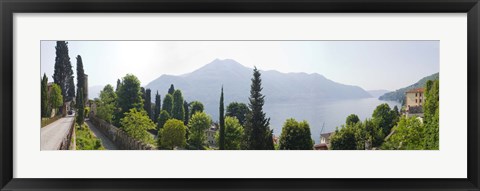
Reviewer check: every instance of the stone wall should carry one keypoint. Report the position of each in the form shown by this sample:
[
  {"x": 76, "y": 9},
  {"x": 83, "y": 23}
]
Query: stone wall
[
  {"x": 65, "y": 145},
  {"x": 118, "y": 136}
]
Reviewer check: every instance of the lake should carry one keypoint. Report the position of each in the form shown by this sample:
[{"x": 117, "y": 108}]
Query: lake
[{"x": 332, "y": 113}]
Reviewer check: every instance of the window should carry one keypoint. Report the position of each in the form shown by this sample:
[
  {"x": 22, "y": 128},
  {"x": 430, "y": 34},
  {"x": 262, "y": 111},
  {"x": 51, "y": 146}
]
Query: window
[
  {"x": 420, "y": 100},
  {"x": 415, "y": 100},
  {"x": 416, "y": 94}
]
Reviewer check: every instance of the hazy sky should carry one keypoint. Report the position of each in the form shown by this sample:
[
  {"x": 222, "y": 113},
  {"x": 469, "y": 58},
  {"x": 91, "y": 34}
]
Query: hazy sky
[{"x": 369, "y": 64}]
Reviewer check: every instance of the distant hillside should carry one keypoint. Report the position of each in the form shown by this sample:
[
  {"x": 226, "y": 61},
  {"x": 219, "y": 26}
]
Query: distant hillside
[
  {"x": 399, "y": 95},
  {"x": 377, "y": 93},
  {"x": 204, "y": 85}
]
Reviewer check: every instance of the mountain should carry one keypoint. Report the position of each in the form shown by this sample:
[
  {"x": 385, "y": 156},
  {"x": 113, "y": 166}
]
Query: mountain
[
  {"x": 377, "y": 93},
  {"x": 94, "y": 91},
  {"x": 399, "y": 95},
  {"x": 204, "y": 85}
]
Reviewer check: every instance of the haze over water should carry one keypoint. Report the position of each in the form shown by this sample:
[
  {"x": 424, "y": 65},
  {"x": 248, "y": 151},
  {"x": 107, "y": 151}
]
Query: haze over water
[{"x": 332, "y": 113}]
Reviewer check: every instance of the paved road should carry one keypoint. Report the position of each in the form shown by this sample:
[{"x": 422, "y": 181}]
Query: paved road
[
  {"x": 51, "y": 136},
  {"x": 105, "y": 141}
]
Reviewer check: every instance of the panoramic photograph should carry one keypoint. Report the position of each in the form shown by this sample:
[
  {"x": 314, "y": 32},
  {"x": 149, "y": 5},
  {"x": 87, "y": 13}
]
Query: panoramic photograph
[{"x": 239, "y": 95}]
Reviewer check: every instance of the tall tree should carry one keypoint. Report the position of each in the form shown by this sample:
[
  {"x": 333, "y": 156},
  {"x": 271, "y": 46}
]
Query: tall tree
[
  {"x": 136, "y": 124},
  {"x": 173, "y": 134},
  {"x": 119, "y": 82},
  {"x": 168, "y": 104},
  {"x": 352, "y": 119},
  {"x": 178, "y": 111},
  {"x": 257, "y": 130},
  {"x": 221, "y": 139},
  {"x": 238, "y": 110},
  {"x": 171, "y": 90},
  {"x": 197, "y": 126},
  {"x": 71, "y": 91},
  {"x": 129, "y": 96},
  {"x": 187, "y": 114},
  {"x": 80, "y": 80},
  {"x": 80, "y": 107},
  {"x": 162, "y": 119},
  {"x": 148, "y": 103},
  {"x": 195, "y": 106},
  {"x": 233, "y": 134},
  {"x": 44, "y": 96},
  {"x": 63, "y": 69},
  {"x": 158, "y": 106},
  {"x": 384, "y": 117},
  {"x": 106, "y": 103},
  {"x": 296, "y": 136},
  {"x": 55, "y": 98},
  {"x": 431, "y": 113}
]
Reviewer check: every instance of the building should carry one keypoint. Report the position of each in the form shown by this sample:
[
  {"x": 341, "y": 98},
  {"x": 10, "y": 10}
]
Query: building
[
  {"x": 211, "y": 135},
  {"x": 324, "y": 141},
  {"x": 414, "y": 100}
]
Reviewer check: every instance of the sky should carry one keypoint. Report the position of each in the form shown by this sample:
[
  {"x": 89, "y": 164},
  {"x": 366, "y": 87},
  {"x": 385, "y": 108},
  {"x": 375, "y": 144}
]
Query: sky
[{"x": 372, "y": 65}]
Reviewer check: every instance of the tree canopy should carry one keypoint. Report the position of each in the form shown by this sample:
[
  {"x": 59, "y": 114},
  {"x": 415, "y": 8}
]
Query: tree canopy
[
  {"x": 178, "y": 112},
  {"x": 296, "y": 136},
  {"x": 238, "y": 110},
  {"x": 168, "y": 104},
  {"x": 197, "y": 126},
  {"x": 136, "y": 124},
  {"x": 63, "y": 70},
  {"x": 173, "y": 134},
  {"x": 233, "y": 134},
  {"x": 195, "y": 106},
  {"x": 221, "y": 131},
  {"x": 352, "y": 119},
  {"x": 129, "y": 95},
  {"x": 44, "y": 96},
  {"x": 106, "y": 103},
  {"x": 257, "y": 127}
]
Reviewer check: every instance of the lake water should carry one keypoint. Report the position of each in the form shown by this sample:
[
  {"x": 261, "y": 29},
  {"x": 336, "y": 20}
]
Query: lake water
[{"x": 332, "y": 113}]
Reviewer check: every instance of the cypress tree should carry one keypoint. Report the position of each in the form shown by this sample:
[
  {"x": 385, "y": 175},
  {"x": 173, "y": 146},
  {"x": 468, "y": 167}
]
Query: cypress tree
[
  {"x": 171, "y": 90},
  {"x": 185, "y": 108},
  {"x": 80, "y": 78},
  {"x": 178, "y": 111},
  {"x": 118, "y": 85},
  {"x": 148, "y": 103},
  {"x": 158, "y": 106},
  {"x": 44, "y": 96},
  {"x": 222, "y": 124},
  {"x": 168, "y": 104},
  {"x": 80, "y": 107},
  {"x": 63, "y": 69},
  {"x": 258, "y": 134}
]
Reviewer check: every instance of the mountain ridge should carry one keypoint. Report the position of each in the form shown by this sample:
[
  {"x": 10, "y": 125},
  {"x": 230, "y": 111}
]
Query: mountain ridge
[{"x": 204, "y": 85}]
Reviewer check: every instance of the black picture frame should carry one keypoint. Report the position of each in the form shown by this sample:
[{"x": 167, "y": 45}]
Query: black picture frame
[{"x": 9, "y": 7}]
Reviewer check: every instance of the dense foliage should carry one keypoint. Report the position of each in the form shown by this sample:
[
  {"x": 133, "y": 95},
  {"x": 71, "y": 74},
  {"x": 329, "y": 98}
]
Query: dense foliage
[
  {"x": 257, "y": 127},
  {"x": 432, "y": 112},
  {"x": 55, "y": 98},
  {"x": 44, "y": 97},
  {"x": 162, "y": 119},
  {"x": 178, "y": 111},
  {"x": 197, "y": 126},
  {"x": 85, "y": 139},
  {"x": 158, "y": 106},
  {"x": 221, "y": 121},
  {"x": 172, "y": 135},
  {"x": 238, "y": 110},
  {"x": 106, "y": 104},
  {"x": 129, "y": 96},
  {"x": 63, "y": 70},
  {"x": 408, "y": 135},
  {"x": 233, "y": 134},
  {"x": 195, "y": 106},
  {"x": 136, "y": 124},
  {"x": 168, "y": 104},
  {"x": 296, "y": 136}
]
